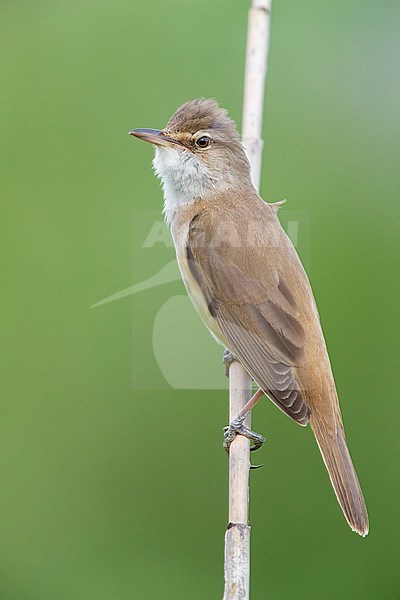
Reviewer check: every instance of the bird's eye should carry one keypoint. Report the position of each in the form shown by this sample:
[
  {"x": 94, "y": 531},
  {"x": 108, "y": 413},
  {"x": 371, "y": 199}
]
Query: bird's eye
[{"x": 203, "y": 141}]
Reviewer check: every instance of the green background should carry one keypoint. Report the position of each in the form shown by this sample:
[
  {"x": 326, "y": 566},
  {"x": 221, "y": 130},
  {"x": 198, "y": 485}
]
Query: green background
[{"x": 111, "y": 492}]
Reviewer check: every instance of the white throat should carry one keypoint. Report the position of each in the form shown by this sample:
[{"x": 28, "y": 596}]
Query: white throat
[{"x": 185, "y": 178}]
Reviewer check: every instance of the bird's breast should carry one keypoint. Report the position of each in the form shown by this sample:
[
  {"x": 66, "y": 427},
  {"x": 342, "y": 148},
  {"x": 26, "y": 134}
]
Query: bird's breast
[{"x": 180, "y": 238}]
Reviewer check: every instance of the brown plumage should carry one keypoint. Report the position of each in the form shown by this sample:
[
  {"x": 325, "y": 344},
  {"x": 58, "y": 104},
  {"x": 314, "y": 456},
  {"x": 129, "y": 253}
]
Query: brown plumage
[{"x": 247, "y": 282}]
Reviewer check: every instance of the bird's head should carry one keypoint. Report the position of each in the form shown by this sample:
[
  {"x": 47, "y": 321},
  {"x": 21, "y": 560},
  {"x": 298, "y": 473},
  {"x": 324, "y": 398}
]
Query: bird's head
[{"x": 198, "y": 152}]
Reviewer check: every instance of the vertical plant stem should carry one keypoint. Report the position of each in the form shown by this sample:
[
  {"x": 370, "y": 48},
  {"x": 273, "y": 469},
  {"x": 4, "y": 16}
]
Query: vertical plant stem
[
  {"x": 237, "y": 537},
  {"x": 254, "y": 84}
]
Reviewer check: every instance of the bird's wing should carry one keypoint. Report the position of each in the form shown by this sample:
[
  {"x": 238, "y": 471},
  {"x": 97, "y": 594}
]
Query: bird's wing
[{"x": 257, "y": 315}]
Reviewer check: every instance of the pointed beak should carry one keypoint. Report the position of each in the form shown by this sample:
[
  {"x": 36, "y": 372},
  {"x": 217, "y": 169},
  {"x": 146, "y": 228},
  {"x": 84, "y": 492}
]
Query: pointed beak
[{"x": 154, "y": 136}]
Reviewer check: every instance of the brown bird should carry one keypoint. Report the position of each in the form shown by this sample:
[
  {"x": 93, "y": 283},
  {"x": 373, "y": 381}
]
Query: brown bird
[{"x": 246, "y": 280}]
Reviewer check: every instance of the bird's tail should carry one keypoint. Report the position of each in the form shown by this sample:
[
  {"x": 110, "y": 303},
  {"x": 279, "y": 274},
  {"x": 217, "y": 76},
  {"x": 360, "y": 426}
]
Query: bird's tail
[{"x": 342, "y": 475}]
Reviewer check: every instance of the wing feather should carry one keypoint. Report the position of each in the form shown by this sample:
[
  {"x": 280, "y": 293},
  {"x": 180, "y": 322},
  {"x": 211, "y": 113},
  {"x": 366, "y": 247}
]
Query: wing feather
[{"x": 258, "y": 317}]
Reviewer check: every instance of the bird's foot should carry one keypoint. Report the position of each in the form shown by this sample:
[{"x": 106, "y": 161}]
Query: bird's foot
[
  {"x": 237, "y": 428},
  {"x": 227, "y": 359}
]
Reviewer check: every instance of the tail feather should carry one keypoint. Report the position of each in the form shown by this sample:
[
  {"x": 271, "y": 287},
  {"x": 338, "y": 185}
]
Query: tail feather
[{"x": 342, "y": 475}]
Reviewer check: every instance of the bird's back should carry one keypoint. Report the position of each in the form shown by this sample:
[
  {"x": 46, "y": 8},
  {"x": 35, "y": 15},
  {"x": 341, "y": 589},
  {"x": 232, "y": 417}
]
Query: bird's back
[{"x": 248, "y": 267}]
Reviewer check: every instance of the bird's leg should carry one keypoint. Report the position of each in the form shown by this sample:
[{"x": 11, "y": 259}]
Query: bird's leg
[
  {"x": 227, "y": 359},
  {"x": 236, "y": 427}
]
